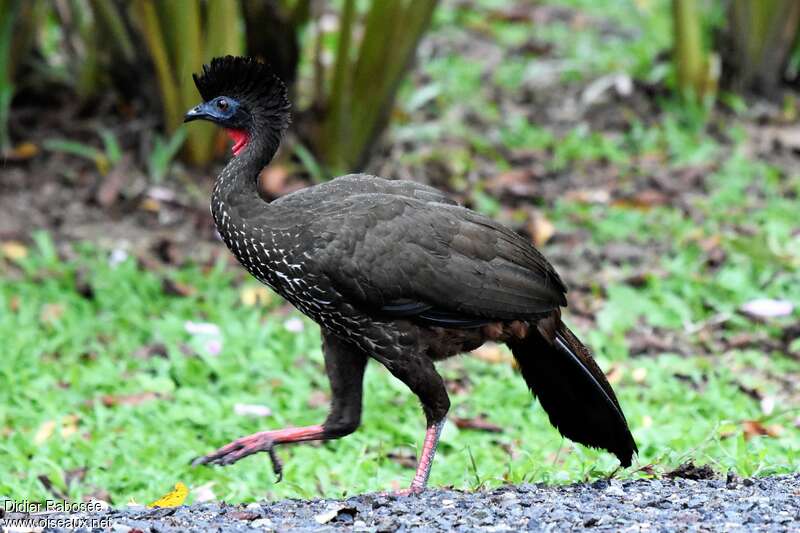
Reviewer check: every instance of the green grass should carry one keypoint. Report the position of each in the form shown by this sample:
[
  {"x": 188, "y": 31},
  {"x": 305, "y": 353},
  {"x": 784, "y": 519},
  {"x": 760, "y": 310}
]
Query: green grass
[{"x": 64, "y": 348}]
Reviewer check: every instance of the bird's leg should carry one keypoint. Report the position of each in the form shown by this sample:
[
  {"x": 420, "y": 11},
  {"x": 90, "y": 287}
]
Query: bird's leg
[
  {"x": 425, "y": 461},
  {"x": 423, "y": 380},
  {"x": 345, "y": 368},
  {"x": 263, "y": 441}
]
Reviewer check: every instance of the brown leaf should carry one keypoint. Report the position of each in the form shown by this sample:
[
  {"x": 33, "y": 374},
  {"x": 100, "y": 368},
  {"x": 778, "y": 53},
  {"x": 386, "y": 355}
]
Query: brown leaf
[
  {"x": 110, "y": 400},
  {"x": 754, "y": 428},
  {"x": 615, "y": 373},
  {"x": 22, "y": 152},
  {"x": 173, "y": 287},
  {"x": 643, "y": 200},
  {"x": 478, "y": 423},
  {"x": 541, "y": 229}
]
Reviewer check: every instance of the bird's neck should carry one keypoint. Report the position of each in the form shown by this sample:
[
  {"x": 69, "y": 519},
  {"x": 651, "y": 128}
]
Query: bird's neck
[{"x": 236, "y": 198}]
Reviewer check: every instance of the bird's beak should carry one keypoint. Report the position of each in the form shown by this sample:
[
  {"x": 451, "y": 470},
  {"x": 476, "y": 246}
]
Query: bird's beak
[{"x": 202, "y": 111}]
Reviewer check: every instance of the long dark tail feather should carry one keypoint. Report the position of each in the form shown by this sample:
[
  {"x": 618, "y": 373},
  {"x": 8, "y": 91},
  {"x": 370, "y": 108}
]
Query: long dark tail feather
[{"x": 573, "y": 390}]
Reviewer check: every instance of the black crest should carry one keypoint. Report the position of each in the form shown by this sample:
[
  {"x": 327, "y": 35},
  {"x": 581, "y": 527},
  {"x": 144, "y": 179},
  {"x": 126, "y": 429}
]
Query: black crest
[{"x": 246, "y": 79}]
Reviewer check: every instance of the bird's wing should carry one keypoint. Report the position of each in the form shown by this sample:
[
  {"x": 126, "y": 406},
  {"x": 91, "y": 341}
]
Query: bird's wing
[
  {"x": 353, "y": 184},
  {"x": 408, "y": 257}
]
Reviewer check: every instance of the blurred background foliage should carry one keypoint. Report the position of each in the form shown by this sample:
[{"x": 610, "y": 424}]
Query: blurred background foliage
[{"x": 353, "y": 56}]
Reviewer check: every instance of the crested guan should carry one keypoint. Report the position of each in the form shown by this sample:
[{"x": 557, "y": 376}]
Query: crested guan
[{"x": 397, "y": 272}]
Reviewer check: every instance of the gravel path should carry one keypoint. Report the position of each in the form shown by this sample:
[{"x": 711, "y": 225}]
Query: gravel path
[{"x": 764, "y": 504}]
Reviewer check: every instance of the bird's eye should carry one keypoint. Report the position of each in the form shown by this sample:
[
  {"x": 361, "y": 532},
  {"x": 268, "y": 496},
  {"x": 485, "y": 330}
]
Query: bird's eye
[{"x": 222, "y": 104}]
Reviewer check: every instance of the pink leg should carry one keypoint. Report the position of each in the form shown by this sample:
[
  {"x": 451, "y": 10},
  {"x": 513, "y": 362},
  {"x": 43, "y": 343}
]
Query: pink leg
[
  {"x": 425, "y": 459},
  {"x": 263, "y": 441}
]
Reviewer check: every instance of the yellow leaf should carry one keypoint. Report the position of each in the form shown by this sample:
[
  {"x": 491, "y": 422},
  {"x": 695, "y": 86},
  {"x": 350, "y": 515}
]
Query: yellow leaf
[
  {"x": 14, "y": 250},
  {"x": 173, "y": 498},
  {"x": 252, "y": 296},
  {"x": 150, "y": 204},
  {"x": 69, "y": 426},
  {"x": 44, "y": 432},
  {"x": 23, "y": 151}
]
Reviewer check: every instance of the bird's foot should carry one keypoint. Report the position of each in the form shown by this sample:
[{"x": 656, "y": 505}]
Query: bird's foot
[
  {"x": 241, "y": 448},
  {"x": 410, "y": 491}
]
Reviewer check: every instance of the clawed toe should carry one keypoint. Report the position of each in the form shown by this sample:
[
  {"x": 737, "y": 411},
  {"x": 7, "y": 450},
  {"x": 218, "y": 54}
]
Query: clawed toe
[{"x": 241, "y": 448}]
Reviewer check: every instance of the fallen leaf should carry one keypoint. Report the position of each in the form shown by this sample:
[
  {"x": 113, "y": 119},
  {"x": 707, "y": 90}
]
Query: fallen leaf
[
  {"x": 754, "y": 428},
  {"x": 492, "y": 352},
  {"x": 173, "y": 498},
  {"x": 767, "y": 308},
  {"x": 249, "y": 409},
  {"x": 540, "y": 229},
  {"x": 111, "y": 400},
  {"x": 44, "y": 432},
  {"x": 14, "y": 250},
  {"x": 22, "y": 152},
  {"x": 258, "y": 295},
  {"x": 150, "y": 204},
  {"x": 173, "y": 287},
  {"x": 479, "y": 423},
  {"x": 642, "y": 200},
  {"x": 69, "y": 425},
  {"x": 588, "y": 196},
  {"x": 615, "y": 374}
]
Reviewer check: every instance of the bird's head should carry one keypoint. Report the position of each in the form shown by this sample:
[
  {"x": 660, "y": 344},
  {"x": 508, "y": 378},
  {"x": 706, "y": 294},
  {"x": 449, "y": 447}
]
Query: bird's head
[{"x": 243, "y": 96}]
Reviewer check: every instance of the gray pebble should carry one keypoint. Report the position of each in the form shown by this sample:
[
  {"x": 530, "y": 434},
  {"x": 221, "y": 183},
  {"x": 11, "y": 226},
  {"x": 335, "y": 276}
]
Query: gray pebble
[{"x": 765, "y": 504}]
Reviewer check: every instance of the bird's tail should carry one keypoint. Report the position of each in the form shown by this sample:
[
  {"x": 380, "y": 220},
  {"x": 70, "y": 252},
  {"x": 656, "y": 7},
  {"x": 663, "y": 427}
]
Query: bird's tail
[{"x": 562, "y": 374}]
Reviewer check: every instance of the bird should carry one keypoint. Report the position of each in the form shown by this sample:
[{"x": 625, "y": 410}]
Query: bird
[{"x": 393, "y": 271}]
